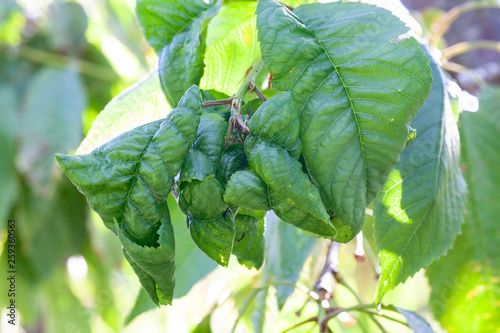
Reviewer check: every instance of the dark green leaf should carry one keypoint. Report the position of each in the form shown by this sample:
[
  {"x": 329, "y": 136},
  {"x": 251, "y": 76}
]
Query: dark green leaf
[
  {"x": 129, "y": 183},
  {"x": 357, "y": 92},
  {"x": 141, "y": 103},
  {"x": 249, "y": 243},
  {"x": 275, "y": 127},
  {"x": 154, "y": 266},
  {"x": 417, "y": 323},
  {"x": 51, "y": 123},
  {"x": 210, "y": 137},
  {"x": 246, "y": 189},
  {"x": 196, "y": 166},
  {"x": 232, "y": 47},
  {"x": 215, "y": 237},
  {"x": 133, "y": 174},
  {"x": 202, "y": 200},
  {"x": 233, "y": 159},
  {"x": 250, "y": 107},
  {"x": 464, "y": 283},
  {"x": 420, "y": 209}
]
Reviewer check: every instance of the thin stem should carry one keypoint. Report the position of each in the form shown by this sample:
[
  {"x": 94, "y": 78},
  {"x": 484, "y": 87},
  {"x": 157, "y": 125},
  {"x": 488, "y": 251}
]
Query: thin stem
[
  {"x": 372, "y": 257},
  {"x": 464, "y": 47},
  {"x": 254, "y": 88},
  {"x": 57, "y": 60},
  {"x": 250, "y": 77},
  {"x": 386, "y": 317},
  {"x": 217, "y": 102},
  {"x": 445, "y": 22}
]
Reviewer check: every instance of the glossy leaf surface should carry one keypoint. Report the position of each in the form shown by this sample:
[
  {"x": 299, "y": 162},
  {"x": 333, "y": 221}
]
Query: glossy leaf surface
[
  {"x": 275, "y": 127},
  {"x": 465, "y": 295},
  {"x": 420, "y": 209},
  {"x": 357, "y": 92}
]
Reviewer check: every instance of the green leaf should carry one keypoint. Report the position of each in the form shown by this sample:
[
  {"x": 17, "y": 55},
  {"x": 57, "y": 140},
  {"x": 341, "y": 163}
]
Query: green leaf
[
  {"x": 356, "y": 89},
  {"x": 142, "y": 304},
  {"x": 196, "y": 166},
  {"x": 232, "y": 47},
  {"x": 274, "y": 127},
  {"x": 464, "y": 283},
  {"x": 417, "y": 323},
  {"x": 51, "y": 123},
  {"x": 210, "y": 137},
  {"x": 175, "y": 29},
  {"x": 420, "y": 209},
  {"x": 246, "y": 189},
  {"x": 202, "y": 200},
  {"x": 131, "y": 178},
  {"x": 215, "y": 237},
  {"x": 133, "y": 173},
  {"x": 249, "y": 242},
  {"x": 154, "y": 266},
  {"x": 8, "y": 177},
  {"x": 141, "y": 103},
  {"x": 233, "y": 159}
]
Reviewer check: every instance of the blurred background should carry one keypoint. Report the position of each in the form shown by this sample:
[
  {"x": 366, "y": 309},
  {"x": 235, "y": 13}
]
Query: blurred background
[{"x": 61, "y": 62}]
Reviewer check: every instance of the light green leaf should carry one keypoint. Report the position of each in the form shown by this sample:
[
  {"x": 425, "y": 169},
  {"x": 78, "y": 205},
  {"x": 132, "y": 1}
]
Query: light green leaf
[
  {"x": 465, "y": 283},
  {"x": 417, "y": 323},
  {"x": 275, "y": 127},
  {"x": 175, "y": 29},
  {"x": 232, "y": 47},
  {"x": 141, "y": 103},
  {"x": 51, "y": 123},
  {"x": 8, "y": 177},
  {"x": 356, "y": 89},
  {"x": 420, "y": 209}
]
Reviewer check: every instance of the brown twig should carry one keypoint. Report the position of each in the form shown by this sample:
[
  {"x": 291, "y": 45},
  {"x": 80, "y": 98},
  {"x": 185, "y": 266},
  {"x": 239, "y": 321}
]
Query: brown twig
[{"x": 217, "y": 102}]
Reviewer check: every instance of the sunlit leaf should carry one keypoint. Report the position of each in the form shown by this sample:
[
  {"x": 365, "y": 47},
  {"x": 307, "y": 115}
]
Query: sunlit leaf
[
  {"x": 420, "y": 209},
  {"x": 232, "y": 47}
]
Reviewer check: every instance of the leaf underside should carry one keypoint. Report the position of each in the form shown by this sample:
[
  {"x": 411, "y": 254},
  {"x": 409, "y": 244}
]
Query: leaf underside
[{"x": 419, "y": 211}]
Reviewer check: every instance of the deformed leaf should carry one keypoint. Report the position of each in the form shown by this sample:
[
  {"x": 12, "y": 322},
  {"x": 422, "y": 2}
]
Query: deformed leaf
[
  {"x": 154, "y": 266},
  {"x": 210, "y": 137},
  {"x": 202, "y": 199},
  {"x": 356, "y": 89},
  {"x": 246, "y": 189},
  {"x": 275, "y": 127},
  {"x": 127, "y": 180},
  {"x": 420, "y": 209},
  {"x": 215, "y": 237},
  {"x": 464, "y": 283},
  {"x": 233, "y": 159}
]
